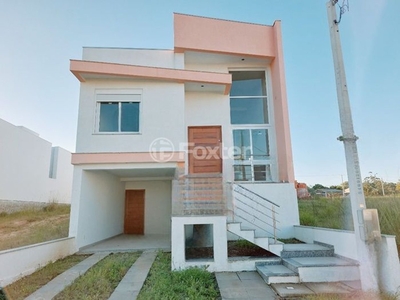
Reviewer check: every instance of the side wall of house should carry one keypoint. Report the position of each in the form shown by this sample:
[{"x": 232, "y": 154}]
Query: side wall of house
[
  {"x": 25, "y": 161},
  {"x": 157, "y": 219},
  {"x": 98, "y": 208}
]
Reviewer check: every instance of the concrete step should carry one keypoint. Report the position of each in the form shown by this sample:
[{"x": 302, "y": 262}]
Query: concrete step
[
  {"x": 277, "y": 274},
  {"x": 306, "y": 250},
  {"x": 247, "y": 234},
  {"x": 323, "y": 269},
  {"x": 275, "y": 247}
]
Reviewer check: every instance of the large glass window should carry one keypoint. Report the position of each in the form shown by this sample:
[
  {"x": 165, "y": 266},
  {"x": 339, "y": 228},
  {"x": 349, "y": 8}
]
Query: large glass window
[
  {"x": 251, "y": 155},
  {"x": 248, "y": 98},
  {"x": 118, "y": 116}
]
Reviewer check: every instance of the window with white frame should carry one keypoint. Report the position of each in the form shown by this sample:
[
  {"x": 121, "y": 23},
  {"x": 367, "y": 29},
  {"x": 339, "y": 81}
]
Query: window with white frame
[
  {"x": 250, "y": 122},
  {"x": 118, "y": 113}
]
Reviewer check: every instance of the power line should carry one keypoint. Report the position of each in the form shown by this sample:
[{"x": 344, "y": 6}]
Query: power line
[{"x": 342, "y": 8}]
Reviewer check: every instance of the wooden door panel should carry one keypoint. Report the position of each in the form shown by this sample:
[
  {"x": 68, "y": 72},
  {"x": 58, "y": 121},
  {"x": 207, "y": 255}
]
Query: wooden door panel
[
  {"x": 205, "y": 149},
  {"x": 134, "y": 212}
]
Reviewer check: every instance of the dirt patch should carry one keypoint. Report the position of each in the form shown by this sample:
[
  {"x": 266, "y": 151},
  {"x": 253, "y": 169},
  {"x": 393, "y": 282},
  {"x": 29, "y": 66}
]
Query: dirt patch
[{"x": 234, "y": 250}]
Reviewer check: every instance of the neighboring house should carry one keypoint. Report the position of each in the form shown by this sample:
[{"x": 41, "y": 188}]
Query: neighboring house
[
  {"x": 302, "y": 190},
  {"x": 183, "y": 142},
  {"x": 31, "y": 169},
  {"x": 329, "y": 193}
]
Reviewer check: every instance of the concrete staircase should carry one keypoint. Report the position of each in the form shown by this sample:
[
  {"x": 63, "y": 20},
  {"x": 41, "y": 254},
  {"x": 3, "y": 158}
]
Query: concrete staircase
[
  {"x": 249, "y": 235},
  {"x": 308, "y": 263}
]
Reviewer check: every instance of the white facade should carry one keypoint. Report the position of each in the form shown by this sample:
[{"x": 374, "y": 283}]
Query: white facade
[
  {"x": 168, "y": 93},
  {"x": 31, "y": 168}
]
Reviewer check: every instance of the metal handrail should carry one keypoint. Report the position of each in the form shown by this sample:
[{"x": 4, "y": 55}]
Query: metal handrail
[
  {"x": 251, "y": 210},
  {"x": 261, "y": 197}
]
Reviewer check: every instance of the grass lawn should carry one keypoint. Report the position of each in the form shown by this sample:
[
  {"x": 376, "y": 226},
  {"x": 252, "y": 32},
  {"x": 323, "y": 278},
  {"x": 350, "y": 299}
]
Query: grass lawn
[
  {"x": 190, "y": 284},
  {"x": 34, "y": 226},
  {"x": 25, "y": 286},
  {"x": 336, "y": 213},
  {"x": 100, "y": 281}
]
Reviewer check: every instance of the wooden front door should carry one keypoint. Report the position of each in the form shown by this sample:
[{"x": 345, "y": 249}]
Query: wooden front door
[
  {"x": 134, "y": 212},
  {"x": 205, "y": 149}
]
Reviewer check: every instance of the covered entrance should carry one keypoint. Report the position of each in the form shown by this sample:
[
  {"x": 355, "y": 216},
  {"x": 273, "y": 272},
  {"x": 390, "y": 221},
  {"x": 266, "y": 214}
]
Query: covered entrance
[{"x": 205, "y": 149}]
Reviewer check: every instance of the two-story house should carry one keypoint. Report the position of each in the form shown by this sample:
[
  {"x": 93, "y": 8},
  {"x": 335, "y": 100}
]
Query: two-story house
[{"x": 186, "y": 142}]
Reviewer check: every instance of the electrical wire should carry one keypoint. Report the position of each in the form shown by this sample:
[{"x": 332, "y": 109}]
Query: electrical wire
[{"x": 342, "y": 8}]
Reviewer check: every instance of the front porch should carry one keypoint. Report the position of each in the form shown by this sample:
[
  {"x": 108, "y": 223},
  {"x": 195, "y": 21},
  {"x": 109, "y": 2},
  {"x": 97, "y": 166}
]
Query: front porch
[{"x": 131, "y": 243}]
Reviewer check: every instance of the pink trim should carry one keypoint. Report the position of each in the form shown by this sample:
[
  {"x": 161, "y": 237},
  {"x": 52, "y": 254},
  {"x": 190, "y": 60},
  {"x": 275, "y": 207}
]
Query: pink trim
[
  {"x": 285, "y": 159},
  {"x": 223, "y": 36},
  {"x": 79, "y": 68},
  {"x": 124, "y": 157}
]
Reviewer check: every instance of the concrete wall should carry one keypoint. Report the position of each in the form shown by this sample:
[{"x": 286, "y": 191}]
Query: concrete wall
[
  {"x": 19, "y": 262},
  {"x": 343, "y": 240},
  {"x": 283, "y": 194},
  {"x": 97, "y": 210},
  {"x": 161, "y": 115},
  {"x": 388, "y": 265},
  {"x": 25, "y": 161},
  {"x": 157, "y": 205}
]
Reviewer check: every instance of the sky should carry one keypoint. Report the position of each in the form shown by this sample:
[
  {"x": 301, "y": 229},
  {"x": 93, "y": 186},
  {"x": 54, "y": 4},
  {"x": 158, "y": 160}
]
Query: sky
[{"x": 37, "y": 90}]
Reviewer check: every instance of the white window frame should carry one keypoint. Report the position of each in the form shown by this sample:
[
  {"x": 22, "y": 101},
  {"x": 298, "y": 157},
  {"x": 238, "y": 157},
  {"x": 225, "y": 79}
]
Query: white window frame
[{"x": 138, "y": 93}]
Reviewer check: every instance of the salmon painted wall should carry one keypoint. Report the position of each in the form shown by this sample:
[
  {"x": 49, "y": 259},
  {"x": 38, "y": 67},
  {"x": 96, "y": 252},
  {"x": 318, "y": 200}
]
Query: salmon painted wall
[{"x": 222, "y": 36}]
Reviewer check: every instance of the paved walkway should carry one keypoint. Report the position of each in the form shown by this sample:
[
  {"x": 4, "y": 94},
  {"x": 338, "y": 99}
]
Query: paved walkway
[
  {"x": 243, "y": 285},
  {"x": 128, "y": 288},
  {"x": 131, "y": 284},
  {"x": 55, "y": 286}
]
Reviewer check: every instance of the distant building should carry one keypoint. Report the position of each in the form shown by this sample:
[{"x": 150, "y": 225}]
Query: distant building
[
  {"x": 328, "y": 193},
  {"x": 31, "y": 169},
  {"x": 302, "y": 190}
]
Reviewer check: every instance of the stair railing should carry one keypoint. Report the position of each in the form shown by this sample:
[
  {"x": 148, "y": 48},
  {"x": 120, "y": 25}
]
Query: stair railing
[{"x": 254, "y": 209}]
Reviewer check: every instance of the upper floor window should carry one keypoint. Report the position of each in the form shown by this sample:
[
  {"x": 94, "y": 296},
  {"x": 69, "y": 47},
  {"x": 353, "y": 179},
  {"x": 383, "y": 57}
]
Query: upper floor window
[
  {"x": 249, "y": 98},
  {"x": 118, "y": 112}
]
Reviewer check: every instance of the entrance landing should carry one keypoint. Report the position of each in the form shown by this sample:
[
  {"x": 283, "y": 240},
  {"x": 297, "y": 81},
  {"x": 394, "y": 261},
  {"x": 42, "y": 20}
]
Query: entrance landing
[{"x": 128, "y": 242}]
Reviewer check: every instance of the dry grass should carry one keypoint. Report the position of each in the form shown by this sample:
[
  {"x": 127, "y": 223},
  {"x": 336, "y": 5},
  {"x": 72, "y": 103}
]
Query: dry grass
[
  {"x": 34, "y": 226},
  {"x": 25, "y": 286}
]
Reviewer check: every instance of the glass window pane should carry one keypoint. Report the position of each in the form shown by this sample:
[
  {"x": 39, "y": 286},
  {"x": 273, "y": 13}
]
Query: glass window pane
[
  {"x": 245, "y": 83},
  {"x": 249, "y": 111},
  {"x": 260, "y": 144},
  {"x": 130, "y": 116},
  {"x": 108, "y": 117},
  {"x": 241, "y": 142},
  {"x": 242, "y": 173},
  {"x": 262, "y": 173}
]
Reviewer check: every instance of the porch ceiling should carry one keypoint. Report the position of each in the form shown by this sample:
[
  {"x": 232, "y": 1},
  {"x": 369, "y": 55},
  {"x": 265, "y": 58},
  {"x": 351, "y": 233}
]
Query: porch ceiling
[{"x": 144, "y": 173}]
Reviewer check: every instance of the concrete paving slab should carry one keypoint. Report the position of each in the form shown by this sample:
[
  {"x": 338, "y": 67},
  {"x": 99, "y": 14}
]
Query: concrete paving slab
[
  {"x": 243, "y": 285},
  {"x": 129, "y": 242},
  {"x": 248, "y": 276},
  {"x": 329, "y": 288},
  {"x": 291, "y": 289},
  {"x": 55, "y": 286},
  {"x": 276, "y": 270},
  {"x": 132, "y": 283}
]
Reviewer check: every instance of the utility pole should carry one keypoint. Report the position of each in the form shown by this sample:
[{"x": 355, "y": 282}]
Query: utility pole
[{"x": 365, "y": 252}]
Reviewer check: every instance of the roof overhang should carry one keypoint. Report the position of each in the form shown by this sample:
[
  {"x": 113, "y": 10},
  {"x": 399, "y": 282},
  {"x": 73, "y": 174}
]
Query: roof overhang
[{"x": 84, "y": 70}]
